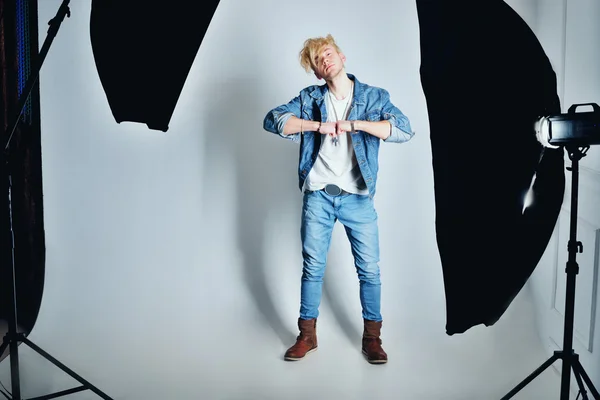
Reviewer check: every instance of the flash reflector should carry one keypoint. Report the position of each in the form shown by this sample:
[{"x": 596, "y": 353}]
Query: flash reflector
[{"x": 572, "y": 128}]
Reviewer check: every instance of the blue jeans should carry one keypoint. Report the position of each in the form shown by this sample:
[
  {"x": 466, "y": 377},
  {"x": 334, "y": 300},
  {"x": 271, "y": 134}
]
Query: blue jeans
[{"x": 320, "y": 212}]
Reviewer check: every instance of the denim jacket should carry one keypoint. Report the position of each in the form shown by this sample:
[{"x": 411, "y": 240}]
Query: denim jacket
[{"x": 369, "y": 103}]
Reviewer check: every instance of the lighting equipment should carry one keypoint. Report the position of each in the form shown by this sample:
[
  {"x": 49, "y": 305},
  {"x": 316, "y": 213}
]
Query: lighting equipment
[
  {"x": 143, "y": 53},
  {"x": 12, "y": 338},
  {"x": 575, "y": 132},
  {"x": 471, "y": 68},
  {"x": 572, "y": 128}
]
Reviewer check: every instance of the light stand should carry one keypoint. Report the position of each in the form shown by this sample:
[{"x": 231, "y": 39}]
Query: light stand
[
  {"x": 12, "y": 338},
  {"x": 570, "y": 359}
]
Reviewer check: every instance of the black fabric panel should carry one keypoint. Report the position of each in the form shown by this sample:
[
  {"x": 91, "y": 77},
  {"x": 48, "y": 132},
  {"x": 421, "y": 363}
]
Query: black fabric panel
[
  {"x": 23, "y": 159},
  {"x": 144, "y": 51},
  {"x": 486, "y": 79}
]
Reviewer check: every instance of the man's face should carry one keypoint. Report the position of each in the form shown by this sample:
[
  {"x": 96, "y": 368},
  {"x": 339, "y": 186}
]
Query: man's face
[{"x": 328, "y": 63}]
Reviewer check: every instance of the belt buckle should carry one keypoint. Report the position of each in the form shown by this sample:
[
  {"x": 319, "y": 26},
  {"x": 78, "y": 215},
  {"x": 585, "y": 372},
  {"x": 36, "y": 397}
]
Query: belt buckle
[{"x": 333, "y": 190}]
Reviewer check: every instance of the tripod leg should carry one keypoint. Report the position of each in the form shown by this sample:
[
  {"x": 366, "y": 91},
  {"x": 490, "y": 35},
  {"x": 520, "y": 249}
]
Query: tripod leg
[
  {"x": 582, "y": 390},
  {"x": 65, "y": 368},
  {"x": 578, "y": 369},
  {"x": 532, "y": 376}
]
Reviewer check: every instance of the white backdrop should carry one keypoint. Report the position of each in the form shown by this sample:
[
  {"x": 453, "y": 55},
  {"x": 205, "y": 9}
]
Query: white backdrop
[{"x": 173, "y": 259}]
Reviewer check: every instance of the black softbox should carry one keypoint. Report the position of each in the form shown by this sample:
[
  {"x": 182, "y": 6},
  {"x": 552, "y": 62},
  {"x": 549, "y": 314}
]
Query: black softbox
[
  {"x": 144, "y": 51},
  {"x": 486, "y": 80}
]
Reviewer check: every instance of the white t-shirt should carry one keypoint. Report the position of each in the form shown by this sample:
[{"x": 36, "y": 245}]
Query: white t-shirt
[{"x": 336, "y": 164}]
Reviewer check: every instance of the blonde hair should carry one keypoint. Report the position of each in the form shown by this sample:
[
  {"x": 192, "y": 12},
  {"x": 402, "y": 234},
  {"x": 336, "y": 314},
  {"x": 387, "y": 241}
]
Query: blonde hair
[{"x": 312, "y": 47}]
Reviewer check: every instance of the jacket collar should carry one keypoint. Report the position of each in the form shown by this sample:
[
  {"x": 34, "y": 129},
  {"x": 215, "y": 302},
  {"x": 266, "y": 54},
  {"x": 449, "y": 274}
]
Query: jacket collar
[{"x": 359, "y": 93}]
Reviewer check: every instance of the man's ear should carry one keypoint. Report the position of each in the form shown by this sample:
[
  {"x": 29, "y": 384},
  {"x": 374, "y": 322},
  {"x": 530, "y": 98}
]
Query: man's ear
[
  {"x": 343, "y": 57},
  {"x": 319, "y": 77}
]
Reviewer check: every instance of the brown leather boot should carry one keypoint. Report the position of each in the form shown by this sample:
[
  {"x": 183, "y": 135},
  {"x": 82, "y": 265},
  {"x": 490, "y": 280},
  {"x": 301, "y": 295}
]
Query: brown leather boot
[
  {"x": 371, "y": 343},
  {"x": 306, "y": 342}
]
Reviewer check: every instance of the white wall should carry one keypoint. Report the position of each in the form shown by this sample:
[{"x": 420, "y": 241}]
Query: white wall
[
  {"x": 570, "y": 35},
  {"x": 173, "y": 259}
]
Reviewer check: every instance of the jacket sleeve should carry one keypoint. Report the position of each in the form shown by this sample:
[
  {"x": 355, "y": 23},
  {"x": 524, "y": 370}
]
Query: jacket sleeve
[
  {"x": 276, "y": 118},
  {"x": 401, "y": 129}
]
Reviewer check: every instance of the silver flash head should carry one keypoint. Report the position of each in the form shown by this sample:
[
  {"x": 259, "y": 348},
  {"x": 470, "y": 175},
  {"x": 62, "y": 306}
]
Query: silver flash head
[{"x": 579, "y": 129}]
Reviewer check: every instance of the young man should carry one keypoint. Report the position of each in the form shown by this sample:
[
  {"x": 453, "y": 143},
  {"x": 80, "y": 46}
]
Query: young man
[{"x": 339, "y": 126}]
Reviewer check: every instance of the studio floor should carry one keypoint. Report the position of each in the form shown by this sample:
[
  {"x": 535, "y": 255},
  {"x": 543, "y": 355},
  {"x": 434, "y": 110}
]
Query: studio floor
[{"x": 241, "y": 359}]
